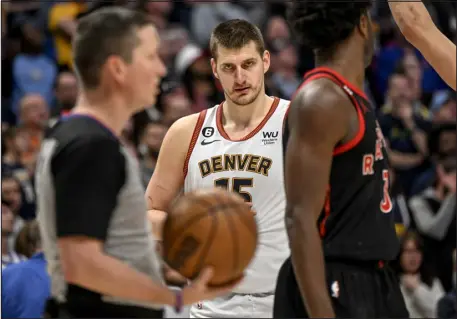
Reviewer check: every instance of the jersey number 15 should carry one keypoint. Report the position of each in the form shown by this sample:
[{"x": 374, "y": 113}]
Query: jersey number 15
[{"x": 237, "y": 185}]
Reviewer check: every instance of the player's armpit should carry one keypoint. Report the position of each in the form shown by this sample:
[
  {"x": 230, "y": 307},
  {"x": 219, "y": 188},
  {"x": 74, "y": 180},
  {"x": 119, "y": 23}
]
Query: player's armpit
[
  {"x": 168, "y": 177},
  {"x": 320, "y": 117}
]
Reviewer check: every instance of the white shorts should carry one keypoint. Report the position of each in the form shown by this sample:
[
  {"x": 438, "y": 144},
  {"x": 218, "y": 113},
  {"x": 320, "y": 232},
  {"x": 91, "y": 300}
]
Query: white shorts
[{"x": 235, "y": 306}]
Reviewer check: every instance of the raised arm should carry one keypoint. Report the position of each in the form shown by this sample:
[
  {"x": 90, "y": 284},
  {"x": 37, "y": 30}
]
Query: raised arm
[
  {"x": 320, "y": 117},
  {"x": 418, "y": 28}
]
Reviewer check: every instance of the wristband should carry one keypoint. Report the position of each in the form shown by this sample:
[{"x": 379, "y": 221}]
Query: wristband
[{"x": 179, "y": 301}]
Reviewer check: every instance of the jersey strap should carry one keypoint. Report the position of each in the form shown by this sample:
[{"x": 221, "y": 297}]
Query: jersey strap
[
  {"x": 350, "y": 90},
  {"x": 193, "y": 141}
]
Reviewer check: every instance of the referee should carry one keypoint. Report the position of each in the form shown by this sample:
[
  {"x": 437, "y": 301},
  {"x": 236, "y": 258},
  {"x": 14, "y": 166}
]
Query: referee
[{"x": 91, "y": 209}]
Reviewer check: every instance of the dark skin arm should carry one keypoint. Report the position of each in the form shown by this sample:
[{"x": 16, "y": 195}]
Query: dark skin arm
[{"x": 321, "y": 116}]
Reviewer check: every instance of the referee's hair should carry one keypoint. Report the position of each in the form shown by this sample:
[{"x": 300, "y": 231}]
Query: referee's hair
[
  {"x": 321, "y": 24},
  {"x": 100, "y": 34}
]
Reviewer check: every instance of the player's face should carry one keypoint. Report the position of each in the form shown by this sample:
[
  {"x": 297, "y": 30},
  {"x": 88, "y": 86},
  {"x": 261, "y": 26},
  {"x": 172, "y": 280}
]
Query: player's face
[
  {"x": 411, "y": 258},
  {"x": 241, "y": 72},
  {"x": 144, "y": 74}
]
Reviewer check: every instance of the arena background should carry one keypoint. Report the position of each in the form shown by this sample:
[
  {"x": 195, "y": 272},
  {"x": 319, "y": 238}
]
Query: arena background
[{"x": 38, "y": 86}]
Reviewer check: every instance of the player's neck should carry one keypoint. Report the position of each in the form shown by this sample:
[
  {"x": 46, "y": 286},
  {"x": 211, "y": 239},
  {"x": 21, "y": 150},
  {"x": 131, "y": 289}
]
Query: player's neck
[
  {"x": 347, "y": 61},
  {"x": 110, "y": 112},
  {"x": 246, "y": 115}
]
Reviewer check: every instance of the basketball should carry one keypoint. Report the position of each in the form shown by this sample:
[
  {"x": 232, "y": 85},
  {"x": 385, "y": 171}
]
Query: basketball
[{"x": 210, "y": 227}]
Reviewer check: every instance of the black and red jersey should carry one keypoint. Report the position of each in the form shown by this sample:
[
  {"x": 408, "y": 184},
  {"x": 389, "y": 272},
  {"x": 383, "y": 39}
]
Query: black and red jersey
[{"x": 356, "y": 221}]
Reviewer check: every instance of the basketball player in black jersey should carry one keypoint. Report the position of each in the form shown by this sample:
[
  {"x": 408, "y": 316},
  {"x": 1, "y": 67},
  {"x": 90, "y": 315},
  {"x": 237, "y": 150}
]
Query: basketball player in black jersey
[{"x": 338, "y": 217}]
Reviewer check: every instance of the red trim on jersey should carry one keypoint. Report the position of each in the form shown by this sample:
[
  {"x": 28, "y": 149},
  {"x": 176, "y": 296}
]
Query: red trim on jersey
[
  {"x": 360, "y": 131},
  {"x": 193, "y": 141},
  {"x": 224, "y": 134},
  {"x": 284, "y": 120},
  {"x": 338, "y": 79},
  {"x": 327, "y": 208}
]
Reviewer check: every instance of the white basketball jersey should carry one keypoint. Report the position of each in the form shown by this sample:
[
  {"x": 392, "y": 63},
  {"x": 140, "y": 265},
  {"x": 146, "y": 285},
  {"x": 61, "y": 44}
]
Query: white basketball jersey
[{"x": 253, "y": 167}]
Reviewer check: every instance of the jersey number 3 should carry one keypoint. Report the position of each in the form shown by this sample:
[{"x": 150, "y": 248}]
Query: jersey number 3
[
  {"x": 386, "y": 203},
  {"x": 238, "y": 185}
]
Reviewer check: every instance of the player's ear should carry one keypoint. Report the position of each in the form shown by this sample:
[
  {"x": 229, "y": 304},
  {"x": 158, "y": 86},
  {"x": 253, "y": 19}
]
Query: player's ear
[
  {"x": 214, "y": 68},
  {"x": 363, "y": 26},
  {"x": 117, "y": 68},
  {"x": 266, "y": 59}
]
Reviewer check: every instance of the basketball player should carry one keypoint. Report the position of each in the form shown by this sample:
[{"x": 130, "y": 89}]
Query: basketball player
[
  {"x": 418, "y": 28},
  {"x": 236, "y": 145},
  {"x": 91, "y": 207},
  {"x": 338, "y": 215}
]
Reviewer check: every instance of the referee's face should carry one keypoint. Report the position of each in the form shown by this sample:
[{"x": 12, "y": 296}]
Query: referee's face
[{"x": 146, "y": 70}]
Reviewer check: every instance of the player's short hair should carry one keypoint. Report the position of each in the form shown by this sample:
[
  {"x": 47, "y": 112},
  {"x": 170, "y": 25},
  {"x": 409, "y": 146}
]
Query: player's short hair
[
  {"x": 235, "y": 34},
  {"x": 101, "y": 34},
  {"x": 321, "y": 24}
]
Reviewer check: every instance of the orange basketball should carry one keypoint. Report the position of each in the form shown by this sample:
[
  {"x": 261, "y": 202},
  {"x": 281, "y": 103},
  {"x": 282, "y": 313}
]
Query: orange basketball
[{"x": 210, "y": 227}]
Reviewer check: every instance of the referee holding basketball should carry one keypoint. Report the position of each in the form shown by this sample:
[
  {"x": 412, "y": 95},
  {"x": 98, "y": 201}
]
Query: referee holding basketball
[{"x": 91, "y": 209}]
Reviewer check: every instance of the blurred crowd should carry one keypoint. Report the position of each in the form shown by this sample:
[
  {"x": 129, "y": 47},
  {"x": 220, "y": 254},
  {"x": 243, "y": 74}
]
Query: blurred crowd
[{"x": 416, "y": 111}]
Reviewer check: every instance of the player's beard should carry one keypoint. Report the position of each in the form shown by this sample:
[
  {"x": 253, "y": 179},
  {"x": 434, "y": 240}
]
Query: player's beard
[{"x": 245, "y": 99}]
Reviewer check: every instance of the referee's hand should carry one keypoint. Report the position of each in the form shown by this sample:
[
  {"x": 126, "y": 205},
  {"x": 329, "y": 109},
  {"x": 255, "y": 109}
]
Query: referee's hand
[{"x": 200, "y": 290}]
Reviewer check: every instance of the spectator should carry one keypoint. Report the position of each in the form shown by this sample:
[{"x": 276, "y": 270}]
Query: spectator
[
  {"x": 434, "y": 213},
  {"x": 66, "y": 93},
  {"x": 421, "y": 290},
  {"x": 442, "y": 141},
  {"x": 206, "y": 16},
  {"x": 175, "y": 105},
  {"x": 193, "y": 67},
  {"x": 12, "y": 165},
  {"x": 151, "y": 142},
  {"x": 62, "y": 25},
  {"x": 410, "y": 66},
  {"x": 26, "y": 286},
  {"x": 282, "y": 79},
  {"x": 404, "y": 128},
  {"x": 12, "y": 193},
  {"x": 400, "y": 210},
  {"x": 443, "y": 107},
  {"x": 11, "y": 159},
  {"x": 34, "y": 116},
  {"x": 9, "y": 256},
  {"x": 447, "y": 306},
  {"x": 33, "y": 71}
]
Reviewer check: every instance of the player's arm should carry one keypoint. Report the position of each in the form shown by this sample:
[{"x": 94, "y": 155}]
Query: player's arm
[
  {"x": 88, "y": 176},
  {"x": 319, "y": 118},
  {"x": 168, "y": 177},
  {"x": 418, "y": 28}
]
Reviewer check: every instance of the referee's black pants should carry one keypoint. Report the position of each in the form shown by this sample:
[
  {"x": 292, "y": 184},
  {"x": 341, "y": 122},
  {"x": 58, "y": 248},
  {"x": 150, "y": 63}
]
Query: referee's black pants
[{"x": 357, "y": 290}]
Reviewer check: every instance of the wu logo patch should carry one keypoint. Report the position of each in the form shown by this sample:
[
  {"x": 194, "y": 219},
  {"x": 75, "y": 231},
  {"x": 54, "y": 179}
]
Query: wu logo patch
[{"x": 270, "y": 137}]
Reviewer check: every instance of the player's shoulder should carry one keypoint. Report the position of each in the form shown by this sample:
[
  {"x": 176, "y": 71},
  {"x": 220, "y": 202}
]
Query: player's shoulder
[
  {"x": 321, "y": 91},
  {"x": 185, "y": 125},
  {"x": 283, "y": 104},
  {"x": 321, "y": 106}
]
